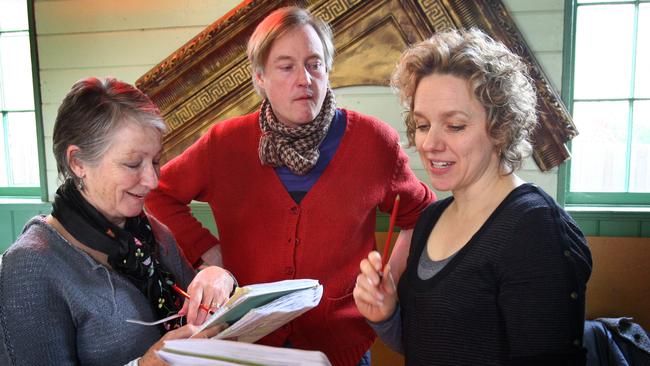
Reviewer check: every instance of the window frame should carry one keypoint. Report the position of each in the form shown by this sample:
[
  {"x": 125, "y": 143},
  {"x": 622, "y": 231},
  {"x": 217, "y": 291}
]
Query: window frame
[
  {"x": 565, "y": 196},
  {"x": 41, "y": 190}
]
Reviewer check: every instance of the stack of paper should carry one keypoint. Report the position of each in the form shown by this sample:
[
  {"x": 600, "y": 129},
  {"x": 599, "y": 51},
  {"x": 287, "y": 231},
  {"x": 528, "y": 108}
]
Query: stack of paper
[
  {"x": 213, "y": 352},
  {"x": 256, "y": 310},
  {"x": 263, "y": 320}
]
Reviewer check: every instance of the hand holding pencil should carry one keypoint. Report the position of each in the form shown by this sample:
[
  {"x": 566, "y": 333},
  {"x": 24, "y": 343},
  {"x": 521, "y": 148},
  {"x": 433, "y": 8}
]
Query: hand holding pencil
[
  {"x": 209, "y": 289},
  {"x": 375, "y": 293},
  {"x": 391, "y": 227},
  {"x": 187, "y": 296}
]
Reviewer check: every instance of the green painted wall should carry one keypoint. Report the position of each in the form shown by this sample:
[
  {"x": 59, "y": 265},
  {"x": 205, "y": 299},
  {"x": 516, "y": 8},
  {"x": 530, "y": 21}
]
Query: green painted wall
[
  {"x": 629, "y": 224},
  {"x": 13, "y": 217}
]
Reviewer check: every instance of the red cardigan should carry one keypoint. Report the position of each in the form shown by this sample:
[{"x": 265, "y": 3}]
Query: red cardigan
[{"x": 265, "y": 236}]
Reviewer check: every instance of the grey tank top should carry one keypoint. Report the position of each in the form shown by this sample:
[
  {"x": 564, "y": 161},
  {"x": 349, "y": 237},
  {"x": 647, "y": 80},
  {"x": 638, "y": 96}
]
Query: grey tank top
[{"x": 428, "y": 268}]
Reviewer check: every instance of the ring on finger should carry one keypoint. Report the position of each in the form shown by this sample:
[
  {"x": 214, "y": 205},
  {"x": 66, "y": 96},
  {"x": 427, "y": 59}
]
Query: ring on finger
[{"x": 204, "y": 307}]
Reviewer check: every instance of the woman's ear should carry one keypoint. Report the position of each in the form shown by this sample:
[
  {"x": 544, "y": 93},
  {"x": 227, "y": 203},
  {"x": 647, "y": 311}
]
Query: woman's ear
[{"x": 76, "y": 165}]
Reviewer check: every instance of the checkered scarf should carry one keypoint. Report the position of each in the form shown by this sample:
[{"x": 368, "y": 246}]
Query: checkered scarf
[{"x": 294, "y": 147}]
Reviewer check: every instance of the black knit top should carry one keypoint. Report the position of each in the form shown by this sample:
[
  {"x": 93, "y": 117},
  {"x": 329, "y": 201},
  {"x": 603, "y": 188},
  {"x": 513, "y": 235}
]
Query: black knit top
[{"x": 514, "y": 294}]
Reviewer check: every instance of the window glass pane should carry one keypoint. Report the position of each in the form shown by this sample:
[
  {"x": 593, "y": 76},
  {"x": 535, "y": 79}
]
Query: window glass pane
[
  {"x": 642, "y": 83},
  {"x": 16, "y": 71},
  {"x": 598, "y": 161},
  {"x": 4, "y": 177},
  {"x": 598, "y": 1},
  {"x": 640, "y": 159},
  {"x": 13, "y": 15},
  {"x": 23, "y": 155},
  {"x": 603, "y": 51}
]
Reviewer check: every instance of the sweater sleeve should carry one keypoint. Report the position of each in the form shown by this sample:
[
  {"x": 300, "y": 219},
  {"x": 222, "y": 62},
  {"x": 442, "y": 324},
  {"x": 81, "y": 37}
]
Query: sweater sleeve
[
  {"x": 415, "y": 196},
  {"x": 44, "y": 334},
  {"x": 183, "y": 179},
  {"x": 542, "y": 292},
  {"x": 390, "y": 330}
]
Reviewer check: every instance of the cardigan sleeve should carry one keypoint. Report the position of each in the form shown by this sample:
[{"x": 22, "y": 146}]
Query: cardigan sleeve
[
  {"x": 542, "y": 291},
  {"x": 35, "y": 322},
  {"x": 183, "y": 179},
  {"x": 415, "y": 196}
]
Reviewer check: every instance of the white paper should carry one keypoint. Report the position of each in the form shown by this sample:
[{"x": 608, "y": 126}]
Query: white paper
[
  {"x": 212, "y": 352},
  {"x": 244, "y": 295},
  {"x": 263, "y": 320}
]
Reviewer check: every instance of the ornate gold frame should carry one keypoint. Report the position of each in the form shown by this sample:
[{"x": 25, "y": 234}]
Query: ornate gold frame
[{"x": 208, "y": 79}]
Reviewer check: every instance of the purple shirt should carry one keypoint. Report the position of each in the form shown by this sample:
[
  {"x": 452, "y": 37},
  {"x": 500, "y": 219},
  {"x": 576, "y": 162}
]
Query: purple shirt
[{"x": 299, "y": 185}]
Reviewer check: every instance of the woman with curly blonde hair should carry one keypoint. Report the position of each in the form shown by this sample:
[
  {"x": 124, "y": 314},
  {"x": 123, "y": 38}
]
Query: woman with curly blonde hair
[{"x": 496, "y": 273}]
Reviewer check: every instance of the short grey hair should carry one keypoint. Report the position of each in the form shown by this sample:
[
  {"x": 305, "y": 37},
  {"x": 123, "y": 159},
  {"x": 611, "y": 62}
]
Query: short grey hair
[{"x": 92, "y": 112}]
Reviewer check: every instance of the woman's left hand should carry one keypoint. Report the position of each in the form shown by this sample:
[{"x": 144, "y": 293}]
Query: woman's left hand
[{"x": 212, "y": 287}]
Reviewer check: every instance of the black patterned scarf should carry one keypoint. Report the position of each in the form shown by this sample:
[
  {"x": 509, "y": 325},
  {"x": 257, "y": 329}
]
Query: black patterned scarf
[
  {"x": 132, "y": 251},
  {"x": 294, "y": 147}
]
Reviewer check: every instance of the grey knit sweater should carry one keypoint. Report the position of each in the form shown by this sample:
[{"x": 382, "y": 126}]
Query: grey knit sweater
[{"x": 58, "y": 306}]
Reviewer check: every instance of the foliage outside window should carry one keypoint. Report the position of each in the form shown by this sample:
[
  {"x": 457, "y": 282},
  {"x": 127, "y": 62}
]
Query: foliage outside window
[{"x": 19, "y": 152}]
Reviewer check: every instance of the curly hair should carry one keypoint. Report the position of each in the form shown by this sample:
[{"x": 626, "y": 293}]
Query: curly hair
[{"x": 498, "y": 78}]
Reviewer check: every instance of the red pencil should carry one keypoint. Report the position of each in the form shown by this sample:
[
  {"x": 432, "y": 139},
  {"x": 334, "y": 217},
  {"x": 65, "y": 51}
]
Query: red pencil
[
  {"x": 187, "y": 296},
  {"x": 391, "y": 225}
]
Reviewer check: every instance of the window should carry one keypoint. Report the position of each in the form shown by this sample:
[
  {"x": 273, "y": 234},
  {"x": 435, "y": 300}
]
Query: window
[
  {"x": 608, "y": 90},
  {"x": 20, "y": 121}
]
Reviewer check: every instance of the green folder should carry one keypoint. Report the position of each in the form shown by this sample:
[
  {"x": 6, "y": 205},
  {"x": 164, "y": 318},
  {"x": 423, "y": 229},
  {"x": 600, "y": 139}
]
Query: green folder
[{"x": 250, "y": 297}]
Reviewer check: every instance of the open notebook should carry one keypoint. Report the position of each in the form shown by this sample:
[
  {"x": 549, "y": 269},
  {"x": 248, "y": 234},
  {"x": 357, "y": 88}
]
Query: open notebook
[{"x": 256, "y": 310}]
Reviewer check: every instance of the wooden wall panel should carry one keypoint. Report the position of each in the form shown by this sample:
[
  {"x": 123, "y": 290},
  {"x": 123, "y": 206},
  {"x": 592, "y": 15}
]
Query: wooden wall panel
[{"x": 620, "y": 281}]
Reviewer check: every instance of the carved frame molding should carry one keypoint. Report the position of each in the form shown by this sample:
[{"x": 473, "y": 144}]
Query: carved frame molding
[{"x": 208, "y": 79}]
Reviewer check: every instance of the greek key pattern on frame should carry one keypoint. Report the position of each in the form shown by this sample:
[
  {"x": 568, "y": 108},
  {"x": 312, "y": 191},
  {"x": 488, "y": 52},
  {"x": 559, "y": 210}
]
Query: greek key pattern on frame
[
  {"x": 209, "y": 96},
  {"x": 334, "y": 8},
  {"x": 436, "y": 14}
]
